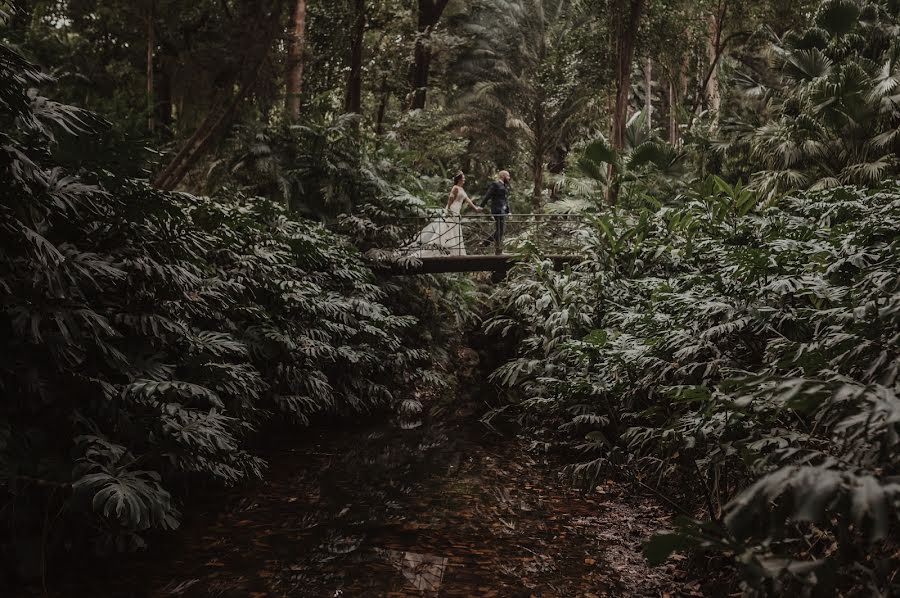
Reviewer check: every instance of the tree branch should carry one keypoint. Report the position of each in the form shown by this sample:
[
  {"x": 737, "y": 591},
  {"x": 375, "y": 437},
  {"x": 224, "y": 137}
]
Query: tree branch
[{"x": 720, "y": 52}]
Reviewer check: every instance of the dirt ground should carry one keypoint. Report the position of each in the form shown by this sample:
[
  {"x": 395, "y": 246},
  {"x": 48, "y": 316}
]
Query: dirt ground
[
  {"x": 439, "y": 510},
  {"x": 439, "y": 507}
]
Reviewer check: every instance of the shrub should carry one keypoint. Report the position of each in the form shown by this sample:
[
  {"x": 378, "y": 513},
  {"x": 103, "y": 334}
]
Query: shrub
[
  {"x": 146, "y": 334},
  {"x": 745, "y": 349}
]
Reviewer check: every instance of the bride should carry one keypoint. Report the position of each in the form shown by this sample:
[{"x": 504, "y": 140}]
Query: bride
[{"x": 444, "y": 235}]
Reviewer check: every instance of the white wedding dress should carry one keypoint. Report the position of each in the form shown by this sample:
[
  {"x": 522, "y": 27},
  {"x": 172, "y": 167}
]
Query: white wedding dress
[{"x": 444, "y": 235}]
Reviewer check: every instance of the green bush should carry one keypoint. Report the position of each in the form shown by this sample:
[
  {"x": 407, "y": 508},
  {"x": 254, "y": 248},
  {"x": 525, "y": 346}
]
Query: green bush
[
  {"x": 146, "y": 334},
  {"x": 743, "y": 349},
  {"x": 821, "y": 111}
]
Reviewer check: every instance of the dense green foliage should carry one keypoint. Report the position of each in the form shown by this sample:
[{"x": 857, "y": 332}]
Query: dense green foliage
[
  {"x": 730, "y": 340},
  {"x": 735, "y": 348},
  {"x": 746, "y": 349},
  {"x": 148, "y": 334},
  {"x": 826, "y": 114}
]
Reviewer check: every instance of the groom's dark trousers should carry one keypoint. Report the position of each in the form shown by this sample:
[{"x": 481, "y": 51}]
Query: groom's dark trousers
[
  {"x": 499, "y": 230},
  {"x": 498, "y": 195}
]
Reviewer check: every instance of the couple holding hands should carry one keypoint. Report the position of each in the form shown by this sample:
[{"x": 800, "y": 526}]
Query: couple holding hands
[{"x": 444, "y": 235}]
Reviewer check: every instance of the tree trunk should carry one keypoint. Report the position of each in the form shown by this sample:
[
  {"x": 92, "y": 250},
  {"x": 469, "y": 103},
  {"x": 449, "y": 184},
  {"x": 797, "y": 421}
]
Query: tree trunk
[
  {"x": 164, "y": 98},
  {"x": 296, "y": 62},
  {"x": 430, "y": 12},
  {"x": 382, "y": 106},
  {"x": 648, "y": 93},
  {"x": 353, "y": 97},
  {"x": 626, "y": 30},
  {"x": 421, "y": 67},
  {"x": 259, "y": 38},
  {"x": 556, "y": 166},
  {"x": 151, "y": 47},
  {"x": 537, "y": 163},
  {"x": 684, "y": 82},
  {"x": 713, "y": 49},
  {"x": 708, "y": 91},
  {"x": 537, "y": 194},
  {"x": 467, "y": 159},
  {"x": 673, "y": 112},
  {"x": 677, "y": 83}
]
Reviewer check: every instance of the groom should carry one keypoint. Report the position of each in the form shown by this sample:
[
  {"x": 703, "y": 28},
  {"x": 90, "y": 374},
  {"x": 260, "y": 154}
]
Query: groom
[{"x": 498, "y": 195}]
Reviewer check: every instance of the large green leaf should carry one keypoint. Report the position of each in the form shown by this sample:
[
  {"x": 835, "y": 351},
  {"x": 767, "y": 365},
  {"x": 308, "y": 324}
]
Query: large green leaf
[
  {"x": 807, "y": 65},
  {"x": 600, "y": 151},
  {"x": 838, "y": 17}
]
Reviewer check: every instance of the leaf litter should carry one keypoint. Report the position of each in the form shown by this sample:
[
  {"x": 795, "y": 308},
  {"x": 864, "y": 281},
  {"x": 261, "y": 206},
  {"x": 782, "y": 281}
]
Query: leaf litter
[{"x": 440, "y": 510}]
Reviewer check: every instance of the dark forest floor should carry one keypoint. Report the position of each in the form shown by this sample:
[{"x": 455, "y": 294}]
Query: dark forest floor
[
  {"x": 448, "y": 508},
  {"x": 401, "y": 513}
]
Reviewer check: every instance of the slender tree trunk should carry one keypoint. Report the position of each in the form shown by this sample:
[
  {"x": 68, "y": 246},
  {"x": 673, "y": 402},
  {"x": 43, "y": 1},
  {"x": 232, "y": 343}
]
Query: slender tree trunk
[
  {"x": 648, "y": 93},
  {"x": 430, "y": 12},
  {"x": 296, "y": 62},
  {"x": 713, "y": 91},
  {"x": 627, "y": 23},
  {"x": 684, "y": 81},
  {"x": 353, "y": 97},
  {"x": 537, "y": 195},
  {"x": 610, "y": 168},
  {"x": 556, "y": 166},
  {"x": 673, "y": 111},
  {"x": 420, "y": 72},
  {"x": 382, "y": 106},
  {"x": 258, "y": 41},
  {"x": 708, "y": 91},
  {"x": 537, "y": 164},
  {"x": 627, "y": 27},
  {"x": 467, "y": 160},
  {"x": 677, "y": 83},
  {"x": 164, "y": 97},
  {"x": 151, "y": 47}
]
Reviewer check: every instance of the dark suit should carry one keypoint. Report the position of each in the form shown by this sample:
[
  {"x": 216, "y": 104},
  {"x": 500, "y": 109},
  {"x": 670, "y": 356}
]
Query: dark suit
[{"x": 498, "y": 195}]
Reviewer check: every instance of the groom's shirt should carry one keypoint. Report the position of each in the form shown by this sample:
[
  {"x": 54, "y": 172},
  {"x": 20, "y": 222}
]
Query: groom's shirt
[{"x": 498, "y": 195}]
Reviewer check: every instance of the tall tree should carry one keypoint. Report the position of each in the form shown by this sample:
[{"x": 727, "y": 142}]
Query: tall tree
[
  {"x": 676, "y": 83},
  {"x": 648, "y": 92},
  {"x": 296, "y": 61},
  {"x": 727, "y": 23},
  {"x": 353, "y": 95},
  {"x": 428, "y": 16},
  {"x": 670, "y": 32},
  {"x": 263, "y": 27},
  {"x": 626, "y": 15},
  {"x": 715, "y": 47},
  {"x": 527, "y": 78},
  {"x": 151, "y": 53}
]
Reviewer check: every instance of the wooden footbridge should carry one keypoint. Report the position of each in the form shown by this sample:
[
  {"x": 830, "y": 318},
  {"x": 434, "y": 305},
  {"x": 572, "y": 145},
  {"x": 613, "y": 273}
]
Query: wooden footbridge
[{"x": 439, "y": 243}]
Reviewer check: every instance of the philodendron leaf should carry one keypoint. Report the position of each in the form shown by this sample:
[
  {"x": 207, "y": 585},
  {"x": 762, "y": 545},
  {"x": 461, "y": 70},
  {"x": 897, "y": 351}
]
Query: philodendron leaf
[
  {"x": 872, "y": 501},
  {"x": 597, "y": 338},
  {"x": 689, "y": 394}
]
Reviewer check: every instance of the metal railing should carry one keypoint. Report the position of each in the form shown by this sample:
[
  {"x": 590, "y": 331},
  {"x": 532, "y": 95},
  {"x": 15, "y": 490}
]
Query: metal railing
[{"x": 442, "y": 235}]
